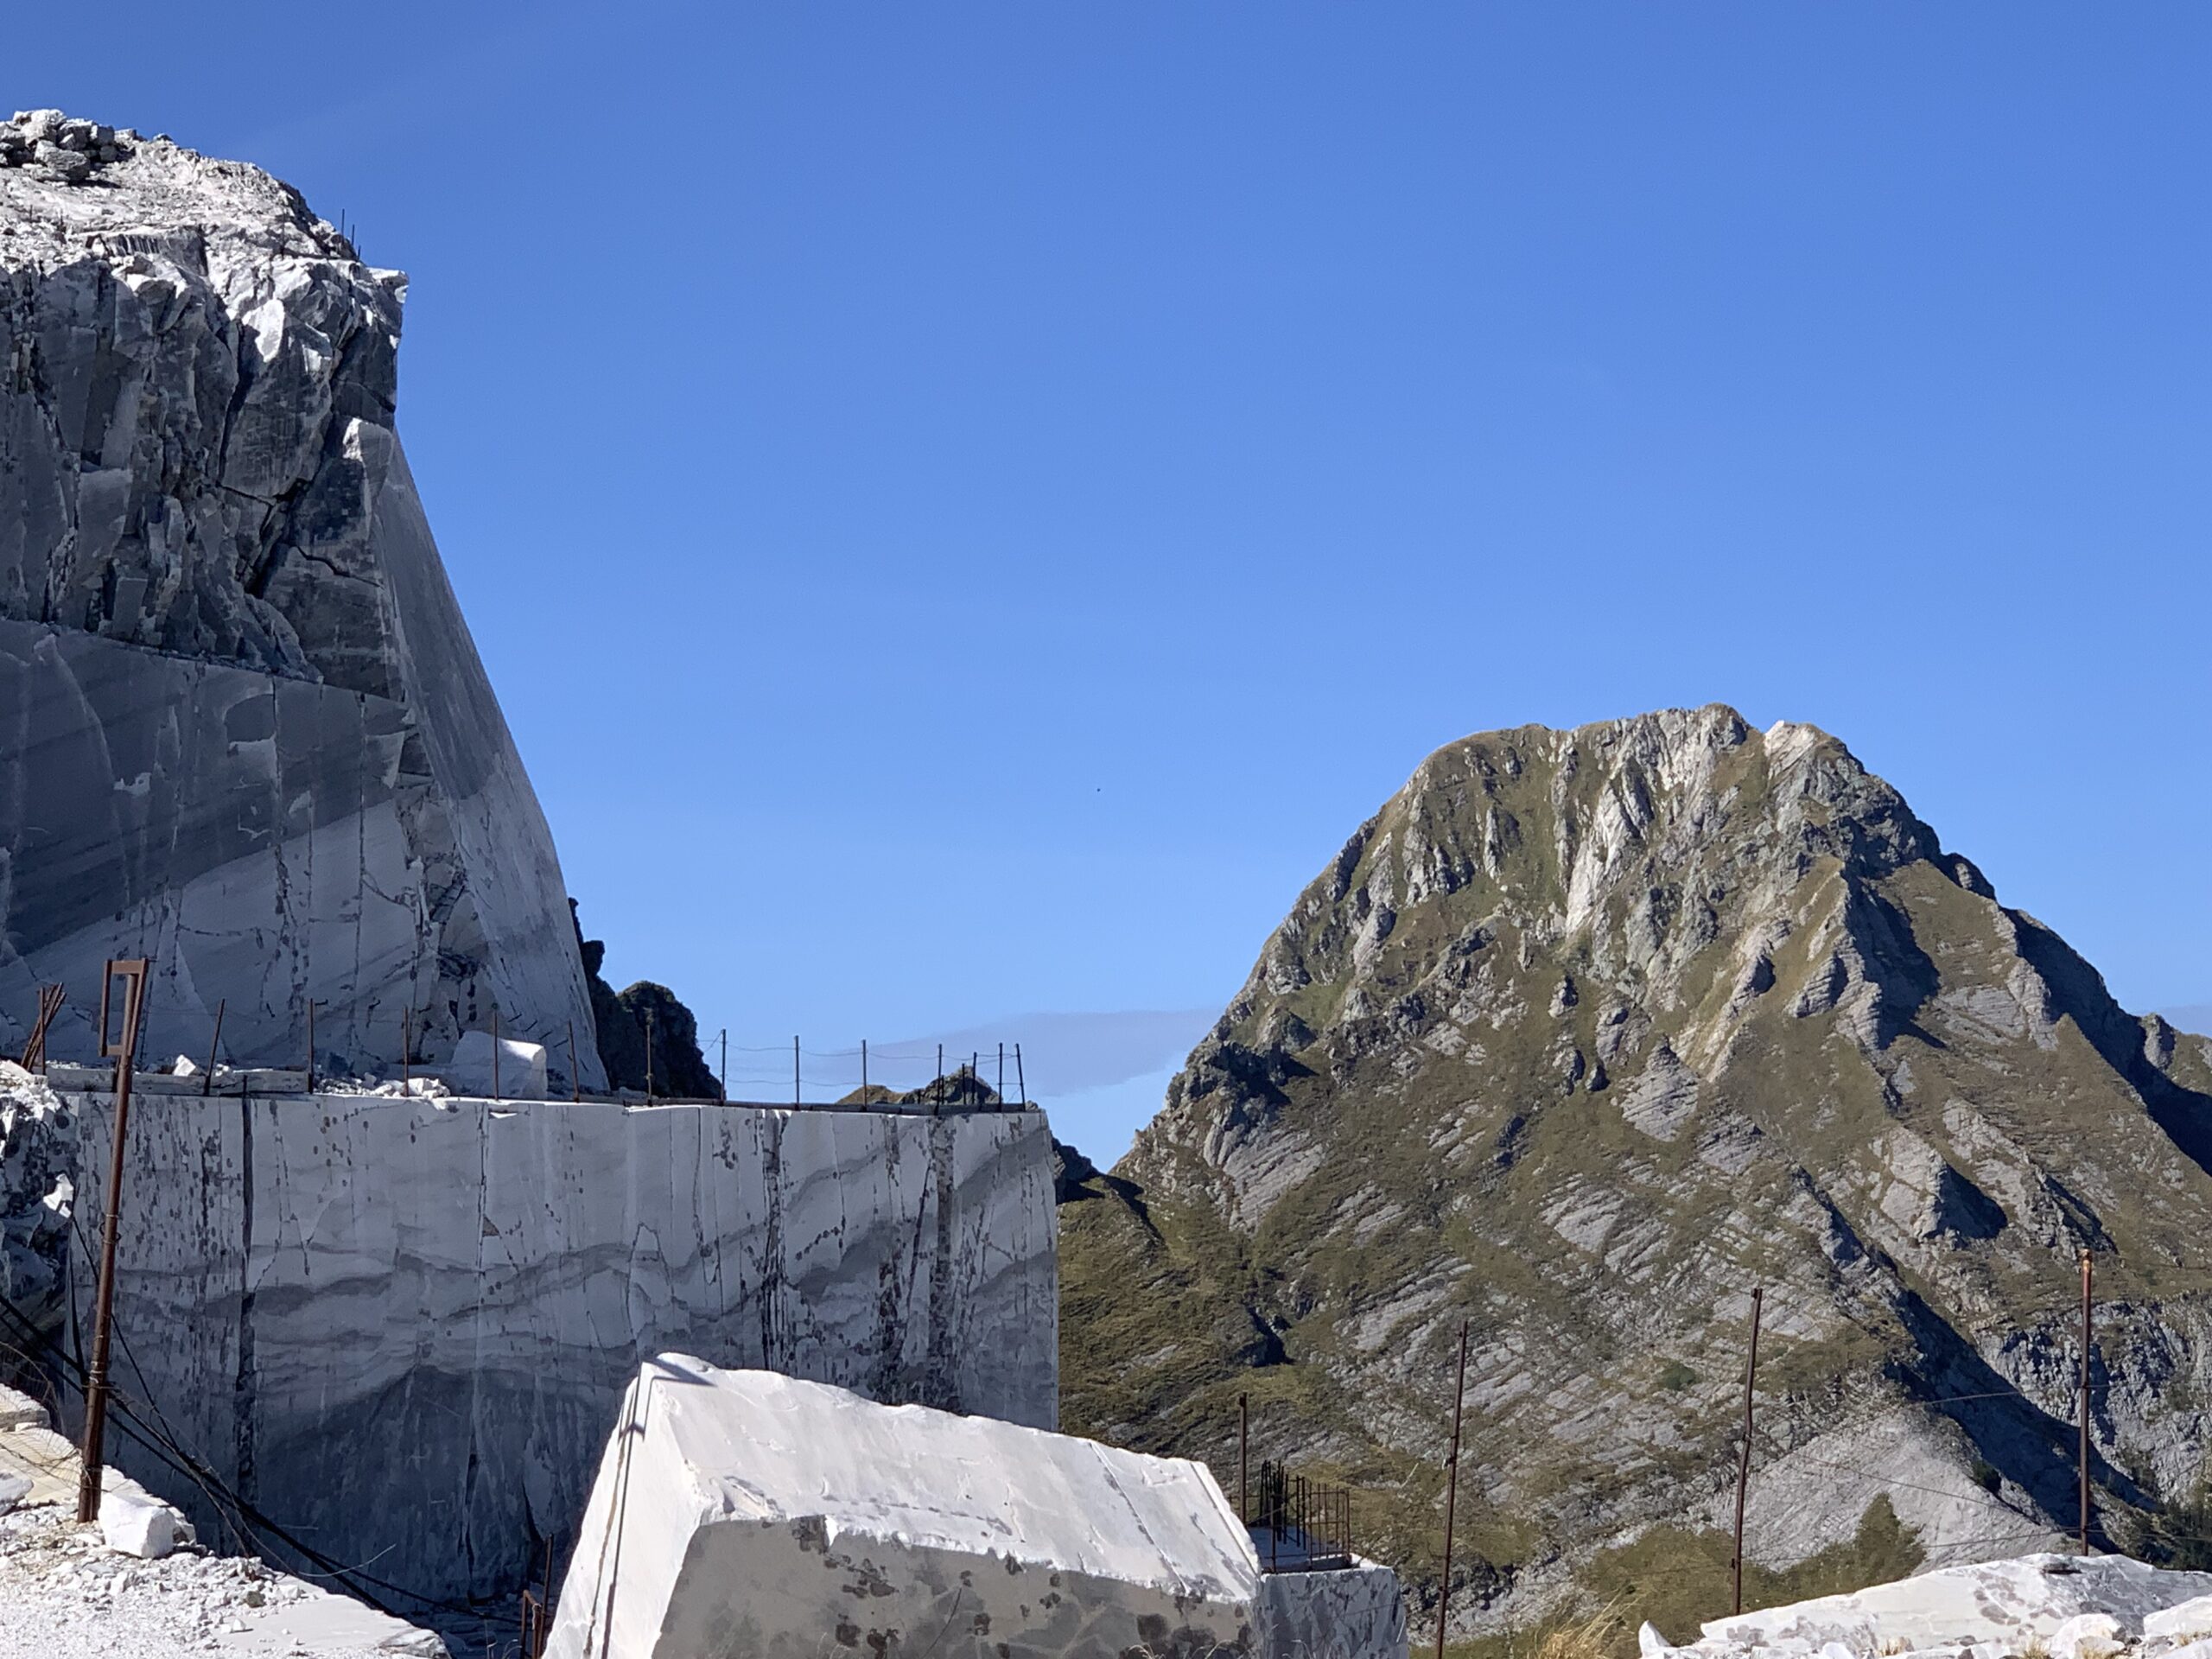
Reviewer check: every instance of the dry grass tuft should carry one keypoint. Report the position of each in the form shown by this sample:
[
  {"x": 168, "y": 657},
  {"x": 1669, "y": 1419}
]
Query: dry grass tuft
[{"x": 1588, "y": 1638}]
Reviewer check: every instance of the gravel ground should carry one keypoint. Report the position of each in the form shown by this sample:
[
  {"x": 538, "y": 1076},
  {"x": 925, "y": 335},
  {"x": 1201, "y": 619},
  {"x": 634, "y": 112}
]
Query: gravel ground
[{"x": 65, "y": 1595}]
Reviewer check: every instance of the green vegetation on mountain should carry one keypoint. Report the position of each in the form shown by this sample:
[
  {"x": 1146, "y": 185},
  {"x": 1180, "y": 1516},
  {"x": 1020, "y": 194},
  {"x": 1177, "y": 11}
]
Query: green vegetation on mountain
[{"x": 1580, "y": 1039}]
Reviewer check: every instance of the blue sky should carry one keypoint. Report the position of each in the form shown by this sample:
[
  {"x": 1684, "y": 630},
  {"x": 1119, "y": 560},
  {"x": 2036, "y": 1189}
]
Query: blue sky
[{"x": 966, "y": 506}]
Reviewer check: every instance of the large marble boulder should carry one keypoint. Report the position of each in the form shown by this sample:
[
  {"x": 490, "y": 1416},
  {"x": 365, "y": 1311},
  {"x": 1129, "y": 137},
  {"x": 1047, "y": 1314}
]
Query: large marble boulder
[
  {"x": 745, "y": 1513},
  {"x": 243, "y": 731}
]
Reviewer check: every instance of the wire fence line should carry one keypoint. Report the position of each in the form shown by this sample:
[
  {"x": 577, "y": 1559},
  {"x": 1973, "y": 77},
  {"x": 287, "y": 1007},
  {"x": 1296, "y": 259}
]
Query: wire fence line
[{"x": 865, "y": 1075}]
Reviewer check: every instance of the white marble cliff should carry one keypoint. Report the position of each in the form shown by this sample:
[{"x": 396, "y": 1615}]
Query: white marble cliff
[
  {"x": 399, "y": 1328},
  {"x": 243, "y": 731}
]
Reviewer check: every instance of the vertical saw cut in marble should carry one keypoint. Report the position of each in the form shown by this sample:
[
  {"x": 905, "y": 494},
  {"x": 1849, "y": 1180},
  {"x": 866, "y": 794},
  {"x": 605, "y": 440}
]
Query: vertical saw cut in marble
[
  {"x": 744, "y": 1515},
  {"x": 243, "y": 731},
  {"x": 399, "y": 1327}
]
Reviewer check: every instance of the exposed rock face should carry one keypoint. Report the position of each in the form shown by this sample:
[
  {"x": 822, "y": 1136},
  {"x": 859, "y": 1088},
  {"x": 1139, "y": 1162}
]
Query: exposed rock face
[
  {"x": 399, "y": 1328},
  {"x": 645, "y": 1014},
  {"x": 243, "y": 729},
  {"x": 1582, "y": 1037}
]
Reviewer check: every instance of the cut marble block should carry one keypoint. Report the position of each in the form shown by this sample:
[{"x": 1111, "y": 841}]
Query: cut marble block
[
  {"x": 399, "y": 1326},
  {"x": 741, "y": 1512},
  {"x": 521, "y": 1074}
]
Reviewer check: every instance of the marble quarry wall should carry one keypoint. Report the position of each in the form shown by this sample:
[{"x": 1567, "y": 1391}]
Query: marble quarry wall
[
  {"x": 400, "y": 1328},
  {"x": 742, "y": 1515},
  {"x": 243, "y": 731}
]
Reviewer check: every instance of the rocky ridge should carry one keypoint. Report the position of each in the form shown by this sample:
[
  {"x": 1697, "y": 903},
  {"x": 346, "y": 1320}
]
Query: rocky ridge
[{"x": 1583, "y": 1037}]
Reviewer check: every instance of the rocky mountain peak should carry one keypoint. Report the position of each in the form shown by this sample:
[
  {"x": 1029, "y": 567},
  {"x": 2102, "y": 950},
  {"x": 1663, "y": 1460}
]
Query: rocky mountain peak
[
  {"x": 1641, "y": 884},
  {"x": 1579, "y": 1037}
]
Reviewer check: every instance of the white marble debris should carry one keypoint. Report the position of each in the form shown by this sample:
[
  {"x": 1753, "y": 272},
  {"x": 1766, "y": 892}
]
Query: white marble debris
[
  {"x": 2185, "y": 1621},
  {"x": 243, "y": 732},
  {"x": 398, "y": 1326},
  {"x": 746, "y": 1512},
  {"x": 64, "y": 1594},
  {"x": 2065, "y": 1606},
  {"x": 20, "y": 1411},
  {"x": 520, "y": 1074},
  {"x": 148, "y": 1529}
]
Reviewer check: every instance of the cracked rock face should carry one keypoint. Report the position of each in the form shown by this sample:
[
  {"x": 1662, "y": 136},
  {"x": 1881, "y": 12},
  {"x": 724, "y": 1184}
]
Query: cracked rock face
[
  {"x": 1586, "y": 1034},
  {"x": 243, "y": 731}
]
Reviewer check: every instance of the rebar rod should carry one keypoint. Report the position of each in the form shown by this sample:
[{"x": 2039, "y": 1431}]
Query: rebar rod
[
  {"x": 133, "y": 974},
  {"x": 1451, "y": 1492},
  {"x": 1744, "y": 1463},
  {"x": 2087, "y": 1271}
]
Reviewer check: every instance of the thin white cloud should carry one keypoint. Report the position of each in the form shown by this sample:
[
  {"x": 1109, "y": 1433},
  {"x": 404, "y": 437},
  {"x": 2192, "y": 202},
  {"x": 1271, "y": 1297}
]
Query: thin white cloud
[{"x": 1072, "y": 1054}]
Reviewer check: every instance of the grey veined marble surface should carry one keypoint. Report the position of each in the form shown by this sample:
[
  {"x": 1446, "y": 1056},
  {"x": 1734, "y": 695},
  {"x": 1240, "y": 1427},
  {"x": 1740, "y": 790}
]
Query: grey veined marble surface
[
  {"x": 243, "y": 731},
  {"x": 400, "y": 1328}
]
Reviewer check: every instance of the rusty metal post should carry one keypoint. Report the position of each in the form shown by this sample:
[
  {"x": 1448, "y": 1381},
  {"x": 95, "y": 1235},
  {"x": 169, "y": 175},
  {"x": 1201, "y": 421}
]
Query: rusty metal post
[
  {"x": 865, "y": 1102},
  {"x": 207, "y": 1081},
  {"x": 310, "y": 1045},
  {"x": 2086, "y": 1272},
  {"x": 1019, "y": 1082},
  {"x": 576, "y": 1078},
  {"x": 132, "y": 972},
  {"x": 50, "y": 998},
  {"x": 1451, "y": 1492},
  {"x": 1744, "y": 1463},
  {"x": 495, "y": 1053},
  {"x": 649, "y": 1053},
  {"x": 721, "y": 1078},
  {"x": 796, "y": 1095},
  {"x": 406, "y": 1046},
  {"x": 1002, "y": 1089},
  {"x": 1243, "y": 1459}
]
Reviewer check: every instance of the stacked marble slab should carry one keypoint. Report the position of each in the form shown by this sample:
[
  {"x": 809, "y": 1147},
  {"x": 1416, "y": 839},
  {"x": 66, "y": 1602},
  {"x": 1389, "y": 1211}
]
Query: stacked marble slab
[{"x": 243, "y": 731}]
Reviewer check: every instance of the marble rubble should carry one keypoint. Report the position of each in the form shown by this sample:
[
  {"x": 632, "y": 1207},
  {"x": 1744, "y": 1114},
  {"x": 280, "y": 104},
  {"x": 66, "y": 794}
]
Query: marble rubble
[
  {"x": 398, "y": 1326},
  {"x": 746, "y": 1514},
  {"x": 2064, "y": 1606},
  {"x": 243, "y": 731},
  {"x": 72, "y": 1592}
]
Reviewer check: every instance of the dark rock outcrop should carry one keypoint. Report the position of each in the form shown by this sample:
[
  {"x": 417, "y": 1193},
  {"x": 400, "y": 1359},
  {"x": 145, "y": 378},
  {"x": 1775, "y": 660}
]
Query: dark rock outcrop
[{"x": 626, "y": 1020}]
